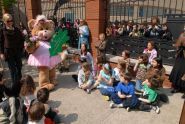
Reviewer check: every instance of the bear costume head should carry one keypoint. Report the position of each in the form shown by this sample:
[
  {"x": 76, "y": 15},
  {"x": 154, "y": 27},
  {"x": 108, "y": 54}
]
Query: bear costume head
[{"x": 41, "y": 28}]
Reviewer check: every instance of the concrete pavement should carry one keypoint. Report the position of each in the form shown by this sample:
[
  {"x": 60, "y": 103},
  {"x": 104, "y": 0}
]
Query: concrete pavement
[{"x": 78, "y": 107}]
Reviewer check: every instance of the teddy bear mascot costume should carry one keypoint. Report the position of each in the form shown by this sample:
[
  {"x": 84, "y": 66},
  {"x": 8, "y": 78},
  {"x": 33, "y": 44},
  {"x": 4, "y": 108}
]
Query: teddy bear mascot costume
[{"x": 42, "y": 31}]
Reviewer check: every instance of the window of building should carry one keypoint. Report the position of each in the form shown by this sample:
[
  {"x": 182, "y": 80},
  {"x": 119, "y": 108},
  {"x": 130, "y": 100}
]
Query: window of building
[
  {"x": 121, "y": 10},
  {"x": 151, "y": 11}
]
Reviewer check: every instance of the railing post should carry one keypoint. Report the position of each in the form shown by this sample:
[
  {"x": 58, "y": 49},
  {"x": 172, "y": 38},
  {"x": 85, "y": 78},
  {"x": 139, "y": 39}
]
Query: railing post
[
  {"x": 95, "y": 17},
  {"x": 33, "y": 8}
]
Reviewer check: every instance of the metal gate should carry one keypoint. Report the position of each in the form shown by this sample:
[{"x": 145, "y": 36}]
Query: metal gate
[
  {"x": 143, "y": 10},
  {"x": 18, "y": 12},
  {"x": 70, "y": 9}
]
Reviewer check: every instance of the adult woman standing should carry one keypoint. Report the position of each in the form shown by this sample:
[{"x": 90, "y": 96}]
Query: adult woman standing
[
  {"x": 83, "y": 34},
  {"x": 11, "y": 47},
  {"x": 177, "y": 76}
]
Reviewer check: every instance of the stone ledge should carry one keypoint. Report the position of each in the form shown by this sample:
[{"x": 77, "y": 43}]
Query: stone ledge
[{"x": 114, "y": 59}]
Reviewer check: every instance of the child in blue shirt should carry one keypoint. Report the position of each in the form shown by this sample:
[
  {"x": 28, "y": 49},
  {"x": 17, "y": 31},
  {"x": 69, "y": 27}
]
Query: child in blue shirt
[
  {"x": 124, "y": 95},
  {"x": 104, "y": 78},
  {"x": 105, "y": 81}
]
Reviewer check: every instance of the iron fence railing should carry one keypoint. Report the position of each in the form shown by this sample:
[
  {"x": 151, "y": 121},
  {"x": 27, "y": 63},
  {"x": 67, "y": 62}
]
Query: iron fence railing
[
  {"x": 143, "y": 10},
  {"x": 18, "y": 11},
  {"x": 70, "y": 9},
  {"x": 137, "y": 45}
]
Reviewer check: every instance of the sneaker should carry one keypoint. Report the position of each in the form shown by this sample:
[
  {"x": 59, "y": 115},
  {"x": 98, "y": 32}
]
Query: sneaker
[
  {"x": 61, "y": 70},
  {"x": 128, "y": 109},
  {"x": 112, "y": 105},
  {"x": 75, "y": 78},
  {"x": 156, "y": 109},
  {"x": 120, "y": 105},
  {"x": 88, "y": 91},
  {"x": 106, "y": 98}
]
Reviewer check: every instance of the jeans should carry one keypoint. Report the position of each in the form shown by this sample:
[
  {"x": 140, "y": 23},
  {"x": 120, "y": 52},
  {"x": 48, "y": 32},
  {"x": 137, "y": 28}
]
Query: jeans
[
  {"x": 138, "y": 85},
  {"x": 83, "y": 40},
  {"x": 107, "y": 91},
  {"x": 115, "y": 98},
  {"x": 127, "y": 102}
]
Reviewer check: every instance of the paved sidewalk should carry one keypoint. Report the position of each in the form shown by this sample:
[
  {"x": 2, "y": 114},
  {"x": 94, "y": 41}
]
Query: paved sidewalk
[{"x": 77, "y": 107}]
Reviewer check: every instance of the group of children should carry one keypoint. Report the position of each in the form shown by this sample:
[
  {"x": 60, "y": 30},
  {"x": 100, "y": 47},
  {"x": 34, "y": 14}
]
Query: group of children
[
  {"x": 25, "y": 108},
  {"x": 126, "y": 86}
]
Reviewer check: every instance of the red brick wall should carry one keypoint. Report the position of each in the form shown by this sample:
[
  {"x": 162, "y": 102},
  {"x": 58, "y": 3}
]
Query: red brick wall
[
  {"x": 95, "y": 17},
  {"x": 33, "y": 8}
]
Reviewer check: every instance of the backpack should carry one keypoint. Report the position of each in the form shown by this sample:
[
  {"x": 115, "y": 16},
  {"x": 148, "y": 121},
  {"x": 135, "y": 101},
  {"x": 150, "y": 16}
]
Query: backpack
[{"x": 19, "y": 115}]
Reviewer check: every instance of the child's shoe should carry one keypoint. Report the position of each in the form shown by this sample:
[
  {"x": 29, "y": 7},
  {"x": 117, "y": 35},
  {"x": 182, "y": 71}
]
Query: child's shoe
[
  {"x": 120, "y": 105},
  {"x": 106, "y": 98},
  {"x": 156, "y": 109},
  {"x": 112, "y": 105},
  {"x": 88, "y": 91},
  {"x": 128, "y": 109}
]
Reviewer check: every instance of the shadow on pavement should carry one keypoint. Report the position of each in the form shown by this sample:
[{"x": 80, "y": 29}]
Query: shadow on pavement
[
  {"x": 68, "y": 119},
  {"x": 66, "y": 82}
]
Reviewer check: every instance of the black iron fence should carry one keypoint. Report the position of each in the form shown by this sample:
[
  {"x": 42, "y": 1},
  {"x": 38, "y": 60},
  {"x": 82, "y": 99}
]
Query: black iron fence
[
  {"x": 139, "y": 12},
  {"x": 65, "y": 12},
  {"x": 143, "y": 10},
  {"x": 18, "y": 12},
  {"x": 137, "y": 45},
  {"x": 69, "y": 9}
]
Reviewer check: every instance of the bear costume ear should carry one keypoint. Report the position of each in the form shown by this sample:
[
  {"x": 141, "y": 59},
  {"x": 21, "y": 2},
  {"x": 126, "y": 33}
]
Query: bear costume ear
[
  {"x": 51, "y": 24},
  {"x": 31, "y": 23}
]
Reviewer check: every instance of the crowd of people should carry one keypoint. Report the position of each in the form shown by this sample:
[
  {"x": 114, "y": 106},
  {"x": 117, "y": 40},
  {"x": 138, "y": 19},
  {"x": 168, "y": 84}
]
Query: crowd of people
[
  {"x": 144, "y": 29},
  {"x": 126, "y": 86},
  {"x": 77, "y": 30}
]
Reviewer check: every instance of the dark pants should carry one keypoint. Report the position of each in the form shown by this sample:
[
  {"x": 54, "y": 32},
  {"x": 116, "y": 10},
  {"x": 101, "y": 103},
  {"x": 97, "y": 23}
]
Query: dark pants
[
  {"x": 147, "y": 106},
  {"x": 127, "y": 102},
  {"x": 144, "y": 106},
  {"x": 115, "y": 83},
  {"x": 13, "y": 58},
  {"x": 1, "y": 92},
  {"x": 115, "y": 98},
  {"x": 107, "y": 91}
]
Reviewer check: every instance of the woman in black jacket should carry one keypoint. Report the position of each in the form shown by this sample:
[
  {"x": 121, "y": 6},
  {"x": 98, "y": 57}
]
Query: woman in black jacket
[
  {"x": 177, "y": 76},
  {"x": 11, "y": 48}
]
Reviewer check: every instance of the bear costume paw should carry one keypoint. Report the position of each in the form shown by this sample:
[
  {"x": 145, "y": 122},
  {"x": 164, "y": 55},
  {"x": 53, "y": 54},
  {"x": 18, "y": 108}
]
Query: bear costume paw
[{"x": 48, "y": 86}]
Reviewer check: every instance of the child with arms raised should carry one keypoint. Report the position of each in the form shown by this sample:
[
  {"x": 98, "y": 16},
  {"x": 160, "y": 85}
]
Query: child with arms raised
[{"x": 141, "y": 68}]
